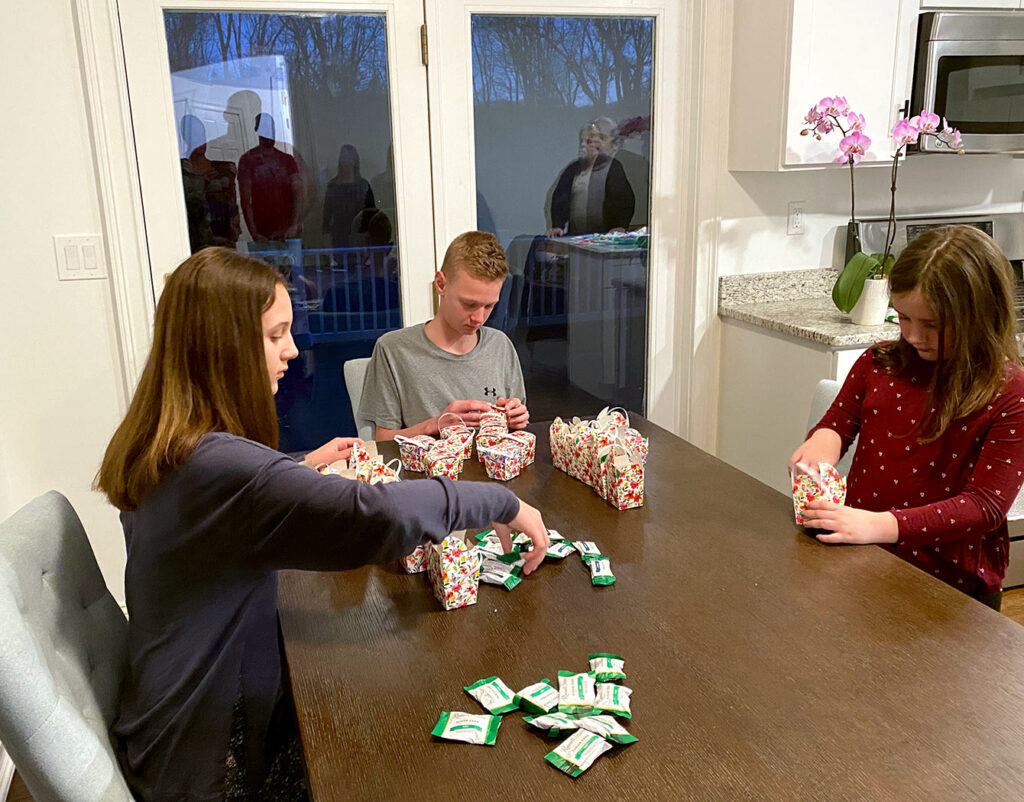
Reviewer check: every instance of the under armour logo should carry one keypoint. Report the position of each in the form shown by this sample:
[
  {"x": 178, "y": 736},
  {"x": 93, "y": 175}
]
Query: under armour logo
[{"x": 491, "y": 391}]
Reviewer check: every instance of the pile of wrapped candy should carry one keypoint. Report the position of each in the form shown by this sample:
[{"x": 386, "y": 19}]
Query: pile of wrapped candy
[
  {"x": 605, "y": 453},
  {"x": 589, "y": 705}
]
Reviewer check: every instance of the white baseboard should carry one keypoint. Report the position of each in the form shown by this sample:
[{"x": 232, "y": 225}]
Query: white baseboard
[{"x": 6, "y": 772}]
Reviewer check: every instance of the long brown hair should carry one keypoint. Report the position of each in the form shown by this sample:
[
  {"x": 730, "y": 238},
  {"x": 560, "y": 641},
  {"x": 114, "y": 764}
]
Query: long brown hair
[
  {"x": 206, "y": 372},
  {"x": 968, "y": 283}
]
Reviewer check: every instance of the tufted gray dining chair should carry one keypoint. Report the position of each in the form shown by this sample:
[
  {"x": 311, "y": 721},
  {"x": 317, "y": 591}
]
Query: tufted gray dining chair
[{"x": 63, "y": 647}]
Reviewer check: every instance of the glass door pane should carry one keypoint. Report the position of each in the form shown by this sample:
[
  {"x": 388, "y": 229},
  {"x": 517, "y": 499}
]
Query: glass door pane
[
  {"x": 562, "y": 109},
  {"x": 285, "y": 144}
]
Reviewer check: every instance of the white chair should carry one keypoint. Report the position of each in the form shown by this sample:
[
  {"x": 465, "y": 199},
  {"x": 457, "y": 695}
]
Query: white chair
[
  {"x": 824, "y": 394},
  {"x": 63, "y": 657},
  {"x": 355, "y": 372}
]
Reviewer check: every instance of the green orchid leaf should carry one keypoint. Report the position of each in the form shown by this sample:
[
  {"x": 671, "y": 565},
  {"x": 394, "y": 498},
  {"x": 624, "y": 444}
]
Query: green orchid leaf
[{"x": 851, "y": 280}]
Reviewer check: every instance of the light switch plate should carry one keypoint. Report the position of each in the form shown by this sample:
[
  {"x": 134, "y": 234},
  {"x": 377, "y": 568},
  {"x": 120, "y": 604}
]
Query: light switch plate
[{"x": 80, "y": 257}]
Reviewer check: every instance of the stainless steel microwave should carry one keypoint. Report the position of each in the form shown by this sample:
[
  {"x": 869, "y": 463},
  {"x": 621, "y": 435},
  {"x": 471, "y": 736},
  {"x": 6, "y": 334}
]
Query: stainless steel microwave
[{"x": 970, "y": 69}]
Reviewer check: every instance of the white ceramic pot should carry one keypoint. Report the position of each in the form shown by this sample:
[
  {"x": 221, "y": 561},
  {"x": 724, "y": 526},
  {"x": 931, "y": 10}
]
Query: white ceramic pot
[{"x": 871, "y": 307}]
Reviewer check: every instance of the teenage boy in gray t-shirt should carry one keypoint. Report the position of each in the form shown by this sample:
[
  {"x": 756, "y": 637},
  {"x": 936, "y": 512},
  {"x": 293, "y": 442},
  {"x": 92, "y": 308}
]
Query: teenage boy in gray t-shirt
[{"x": 452, "y": 363}]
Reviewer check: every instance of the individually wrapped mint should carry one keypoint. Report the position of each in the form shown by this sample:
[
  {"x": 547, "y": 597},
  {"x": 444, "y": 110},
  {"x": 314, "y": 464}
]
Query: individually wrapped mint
[
  {"x": 554, "y": 723},
  {"x": 494, "y": 695},
  {"x": 487, "y": 534},
  {"x": 496, "y": 572},
  {"x": 490, "y": 548},
  {"x": 576, "y": 693},
  {"x": 588, "y": 549},
  {"x": 559, "y": 550},
  {"x": 578, "y": 752},
  {"x": 466, "y": 727},
  {"x": 520, "y": 538},
  {"x": 601, "y": 572},
  {"x": 606, "y": 667},
  {"x": 513, "y": 558},
  {"x": 607, "y": 727},
  {"x": 612, "y": 698},
  {"x": 554, "y": 534},
  {"x": 539, "y": 697}
]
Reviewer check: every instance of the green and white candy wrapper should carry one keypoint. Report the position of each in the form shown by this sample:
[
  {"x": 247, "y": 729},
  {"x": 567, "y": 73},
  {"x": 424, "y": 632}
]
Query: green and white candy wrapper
[
  {"x": 554, "y": 723},
  {"x": 467, "y": 727},
  {"x": 494, "y": 695},
  {"x": 588, "y": 550},
  {"x": 606, "y": 667},
  {"x": 601, "y": 571},
  {"x": 612, "y": 698},
  {"x": 607, "y": 727},
  {"x": 538, "y": 698},
  {"x": 576, "y": 693},
  {"x": 497, "y": 572},
  {"x": 559, "y": 550},
  {"x": 554, "y": 534},
  {"x": 578, "y": 752}
]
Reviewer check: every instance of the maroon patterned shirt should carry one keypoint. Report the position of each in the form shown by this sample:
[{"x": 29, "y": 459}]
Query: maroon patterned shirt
[{"x": 950, "y": 497}]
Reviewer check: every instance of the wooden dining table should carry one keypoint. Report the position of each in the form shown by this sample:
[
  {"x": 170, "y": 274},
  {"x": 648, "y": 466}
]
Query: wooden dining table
[{"x": 763, "y": 664}]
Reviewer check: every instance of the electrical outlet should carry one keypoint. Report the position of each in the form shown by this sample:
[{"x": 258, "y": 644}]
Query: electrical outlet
[{"x": 795, "y": 218}]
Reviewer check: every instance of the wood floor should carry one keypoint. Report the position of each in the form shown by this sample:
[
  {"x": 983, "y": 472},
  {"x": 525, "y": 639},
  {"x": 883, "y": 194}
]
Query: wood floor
[{"x": 1013, "y": 607}]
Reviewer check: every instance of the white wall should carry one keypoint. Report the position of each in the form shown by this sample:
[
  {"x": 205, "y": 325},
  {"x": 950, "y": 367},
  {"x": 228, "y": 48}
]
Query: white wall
[
  {"x": 61, "y": 396},
  {"x": 753, "y": 206}
]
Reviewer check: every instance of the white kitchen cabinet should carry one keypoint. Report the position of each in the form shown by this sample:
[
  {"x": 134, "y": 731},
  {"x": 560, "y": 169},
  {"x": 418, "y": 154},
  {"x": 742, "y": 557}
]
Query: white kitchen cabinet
[
  {"x": 956, "y": 5},
  {"x": 767, "y": 381},
  {"x": 788, "y": 54}
]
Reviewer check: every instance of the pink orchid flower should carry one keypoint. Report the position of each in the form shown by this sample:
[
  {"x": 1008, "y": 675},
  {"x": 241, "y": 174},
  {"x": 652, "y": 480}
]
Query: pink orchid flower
[
  {"x": 927, "y": 122},
  {"x": 853, "y": 146},
  {"x": 905, "y": 132},
  {"x": 813, "y": 116},
  {"x": 824, "y": 127},
  {"x": 835, "y": 106},
  {"x": 855, "y": 121}
]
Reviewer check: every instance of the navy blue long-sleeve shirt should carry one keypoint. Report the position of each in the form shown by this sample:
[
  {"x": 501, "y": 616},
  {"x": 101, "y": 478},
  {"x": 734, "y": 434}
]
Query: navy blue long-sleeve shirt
[{"x": 204, "y": 548}]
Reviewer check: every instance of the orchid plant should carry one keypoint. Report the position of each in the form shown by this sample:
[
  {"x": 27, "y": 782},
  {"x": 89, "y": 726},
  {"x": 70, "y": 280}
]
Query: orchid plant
[{"x": 826, "y": 116}]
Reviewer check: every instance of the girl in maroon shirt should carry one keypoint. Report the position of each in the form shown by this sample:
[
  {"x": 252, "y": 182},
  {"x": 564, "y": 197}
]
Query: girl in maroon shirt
[{"x": 940, "y": 414}]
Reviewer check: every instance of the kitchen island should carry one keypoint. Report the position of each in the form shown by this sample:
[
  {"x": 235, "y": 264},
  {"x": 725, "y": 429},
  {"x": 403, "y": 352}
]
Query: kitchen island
[{"x": 781, "y": 335}]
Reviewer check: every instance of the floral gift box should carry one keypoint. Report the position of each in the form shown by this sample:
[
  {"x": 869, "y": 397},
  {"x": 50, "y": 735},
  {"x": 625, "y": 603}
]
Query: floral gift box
[
  {"x": 505, "y": 459},
  {"x": 413, "y": 451},
  {"x": 444, "y": 458},
  {"x": 809, "y": 485},
  {"x": 603, "y": 453},
  {"x": 454, "y": 572},
  {"x": 529, "y": 441}
]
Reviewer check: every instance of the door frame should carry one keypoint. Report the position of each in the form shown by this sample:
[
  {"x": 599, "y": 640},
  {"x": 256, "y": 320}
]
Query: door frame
[{"x": 671, "y": 291}]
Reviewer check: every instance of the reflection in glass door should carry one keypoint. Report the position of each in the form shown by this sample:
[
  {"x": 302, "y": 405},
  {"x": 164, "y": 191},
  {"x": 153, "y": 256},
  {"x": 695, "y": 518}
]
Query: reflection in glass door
[
  {"x": 285, "y": 144},
  {"x": 562, "y": 109}
]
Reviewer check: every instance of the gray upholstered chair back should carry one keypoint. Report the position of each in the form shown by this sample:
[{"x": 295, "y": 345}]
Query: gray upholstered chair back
[
  {"x": 355, "y": 372},
  {"x": 63, "y": 652},
  {"x": 824, "y": 394}
]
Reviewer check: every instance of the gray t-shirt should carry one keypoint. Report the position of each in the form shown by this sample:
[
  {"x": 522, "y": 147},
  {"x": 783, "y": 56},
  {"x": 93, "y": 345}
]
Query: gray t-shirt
[{"x": 410, "y": 379}]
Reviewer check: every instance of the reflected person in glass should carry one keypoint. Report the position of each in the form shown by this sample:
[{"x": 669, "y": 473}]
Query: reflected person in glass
[
  {"x": 592, "y": 194},
  {"x": 347, "y": 194},
  {"x": 271, "y": 187}
]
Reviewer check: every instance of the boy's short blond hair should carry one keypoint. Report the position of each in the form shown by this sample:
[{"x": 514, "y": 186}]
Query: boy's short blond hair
[{"x": 477, "y": 252}]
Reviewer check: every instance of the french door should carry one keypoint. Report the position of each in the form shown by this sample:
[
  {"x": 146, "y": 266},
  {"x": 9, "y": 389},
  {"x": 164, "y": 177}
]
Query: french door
[{"x": 348, "y": 143}]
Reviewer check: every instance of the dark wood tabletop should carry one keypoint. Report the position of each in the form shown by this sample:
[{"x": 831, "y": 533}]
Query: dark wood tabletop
[{"x": 764, "y": 665}]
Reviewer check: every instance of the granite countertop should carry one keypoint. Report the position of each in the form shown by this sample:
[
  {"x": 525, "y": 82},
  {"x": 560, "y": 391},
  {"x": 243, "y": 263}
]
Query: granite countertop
[{"x": 797, "y": 303}]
